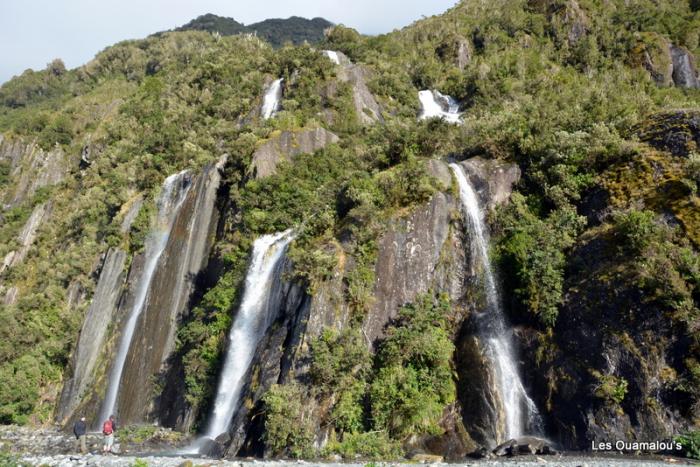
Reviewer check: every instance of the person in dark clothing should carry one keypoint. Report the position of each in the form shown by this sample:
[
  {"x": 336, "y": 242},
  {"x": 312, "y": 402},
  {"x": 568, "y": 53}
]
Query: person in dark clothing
[{"x": 80, "y": 432}]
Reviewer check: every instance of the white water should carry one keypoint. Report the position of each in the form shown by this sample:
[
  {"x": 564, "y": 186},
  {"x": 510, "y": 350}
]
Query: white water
[
  {"x": 333, "y": 55},
  {"x": 520, "y": 412},
  {"x": 431, "y": 107},
  {"x": 271, "y": 101},
  {"x": 171, "y": 197},
  {"x": 257, "y": 311}
]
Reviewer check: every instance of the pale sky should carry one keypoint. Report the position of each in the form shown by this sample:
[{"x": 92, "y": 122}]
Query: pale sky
[{"x": 34, "y": 32}]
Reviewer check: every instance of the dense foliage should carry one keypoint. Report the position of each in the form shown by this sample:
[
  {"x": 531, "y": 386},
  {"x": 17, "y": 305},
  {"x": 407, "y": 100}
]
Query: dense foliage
[
  {"x": 278, "y": 32},
  {"x": 603, "y": 226}
]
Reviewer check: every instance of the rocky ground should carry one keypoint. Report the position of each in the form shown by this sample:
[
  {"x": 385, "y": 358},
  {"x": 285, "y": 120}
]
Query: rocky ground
[
  {"x": 123, "y": 461},
  {"x": 31, "y": 447}
]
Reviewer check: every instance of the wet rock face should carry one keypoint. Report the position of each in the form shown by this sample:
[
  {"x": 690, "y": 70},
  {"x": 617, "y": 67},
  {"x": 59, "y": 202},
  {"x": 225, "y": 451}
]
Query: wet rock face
[
  {"x": 685, "y": 73},
  {"x": 611, "y": 369},
  {"x": 409, "y": 263},
  {"x": 78, "y": 395},
  {"x": 366, "y": 106},
  {"x": 31, "y": 168},
  {"x": 185, "y": 255},
  {"x": 482, "y": 412},
  {"x": 492, "y": 179},
  {"x": 286, "y": 145},
  {"x": 93, "y": 333},
  {"x": 422, "y": 251},
  {"x": 276, "y": 361},
  {"x": 667, "y": 63}
]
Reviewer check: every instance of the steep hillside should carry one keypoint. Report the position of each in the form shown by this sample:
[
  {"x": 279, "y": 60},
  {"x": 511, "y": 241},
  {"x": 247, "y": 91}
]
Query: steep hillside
[
  {"x": 578, "y": 134},
  {"x": 277, "y": 32}
]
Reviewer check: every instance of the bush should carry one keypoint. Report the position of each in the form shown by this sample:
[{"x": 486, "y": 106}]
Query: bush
[
  {"x": 610, "y": 388},
  {"x": 288, "y": 429},
  {"x": 413, "y": 371},
  {"x": 533, "y": 251},
  {"x": 691, "y": 444}
]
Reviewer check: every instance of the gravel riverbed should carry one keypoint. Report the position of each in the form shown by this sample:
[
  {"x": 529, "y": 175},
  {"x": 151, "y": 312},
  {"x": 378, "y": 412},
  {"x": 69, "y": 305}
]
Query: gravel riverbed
[
  {"x": 51, "y": 447},
  {"x": 124, "y": 461}
]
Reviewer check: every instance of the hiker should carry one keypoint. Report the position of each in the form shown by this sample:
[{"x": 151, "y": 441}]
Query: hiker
[
  {"x": 108, "y": 429},
  {"x": 80, "y": 432}
]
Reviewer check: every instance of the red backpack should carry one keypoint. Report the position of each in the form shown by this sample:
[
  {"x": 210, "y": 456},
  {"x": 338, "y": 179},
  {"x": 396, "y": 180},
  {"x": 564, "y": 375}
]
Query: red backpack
[{"x": 107, "y": 428}]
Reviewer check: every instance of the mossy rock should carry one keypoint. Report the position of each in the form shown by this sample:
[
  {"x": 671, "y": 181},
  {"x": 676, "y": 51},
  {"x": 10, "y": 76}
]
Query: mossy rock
[{"x": 675, "y": 131}]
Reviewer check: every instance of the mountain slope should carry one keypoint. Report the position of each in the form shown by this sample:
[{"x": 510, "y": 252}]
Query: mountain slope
[
  {"x": 277, "y": 32},
  {"x": 593, "y": 104}
]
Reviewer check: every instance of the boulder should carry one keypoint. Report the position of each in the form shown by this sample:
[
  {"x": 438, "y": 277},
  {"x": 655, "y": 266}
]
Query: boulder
[
  {"x": 285, "y": 146},
  {"x": 524, "y": 445}
]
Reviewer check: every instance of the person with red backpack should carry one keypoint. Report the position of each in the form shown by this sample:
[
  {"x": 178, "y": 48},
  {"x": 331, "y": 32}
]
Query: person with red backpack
[{"x": 108, "y": 429}]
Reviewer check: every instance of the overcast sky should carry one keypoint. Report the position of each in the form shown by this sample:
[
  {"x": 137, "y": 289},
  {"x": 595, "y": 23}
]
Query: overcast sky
[{"x": 33, "y": 32}]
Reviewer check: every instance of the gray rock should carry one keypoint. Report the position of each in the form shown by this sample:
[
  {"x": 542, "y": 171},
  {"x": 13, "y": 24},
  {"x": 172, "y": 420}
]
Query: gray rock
[
  {"x": 30, "y": 169},
  {"x": 366, "y": 106},
  {"x": 493, "y": 179},
  {"x": 409, "y": 261},
  {"x": 92, "y": 336},
  {"x": 285, "y": 146},
  {"x": 525, "y": 445},
  {"x": 26, "y": 236},
  {"x": 185, "y": 255},
  {"x": 685, "y": 73}
]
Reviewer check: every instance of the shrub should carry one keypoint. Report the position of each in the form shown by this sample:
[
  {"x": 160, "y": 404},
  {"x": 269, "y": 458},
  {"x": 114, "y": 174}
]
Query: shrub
[
  {"x": 610, "y": 388},
  {"x": 690, "y": 443},
  {"x": 288, "y": 429},
  {"x": 413, "y": 371}
]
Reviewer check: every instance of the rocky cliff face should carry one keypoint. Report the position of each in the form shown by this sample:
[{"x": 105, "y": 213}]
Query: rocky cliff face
[
  {"x": 667, "y": 63},
  {"x": 185, "y": 255},
  {"x": 286, "y": 145},
  {"x": 30, "y": 168},
  {"x": 425, "y": 250}
]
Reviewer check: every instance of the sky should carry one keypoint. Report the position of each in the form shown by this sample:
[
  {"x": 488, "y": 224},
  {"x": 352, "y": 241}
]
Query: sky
[{"x": 34, "y": 32}]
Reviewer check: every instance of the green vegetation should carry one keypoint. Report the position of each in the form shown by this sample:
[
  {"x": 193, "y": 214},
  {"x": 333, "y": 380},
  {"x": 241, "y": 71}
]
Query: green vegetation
[
  {"x": 278, "y": 32},
  {"x": 413, "y": 380},
  {"x": 10, "y": 460},
  {"x": 610, "y": 388},
  {"x": 691, "y": 444},
  {"x": 603, "y": 226},
  {"x": 288, "y": 429},
  {"x": 376, "y": 403}
]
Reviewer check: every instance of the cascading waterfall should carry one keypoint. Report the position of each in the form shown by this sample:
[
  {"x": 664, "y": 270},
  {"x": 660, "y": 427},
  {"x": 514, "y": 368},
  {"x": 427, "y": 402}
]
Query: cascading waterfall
[
  {"x": 520, "y": 413},
  {"x": 172, "y": 195},
  {"x": 435, "y": 104},
  {"x": 332, "y": 55},
  {"x": 271, "y": 101},
  {"x": 258, "y": 309}
]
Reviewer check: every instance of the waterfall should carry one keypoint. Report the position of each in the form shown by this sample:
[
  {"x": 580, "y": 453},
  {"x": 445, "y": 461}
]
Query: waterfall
[
  {"x": 271, "y": 101},
  {"x": 172, "y": 195},
  {"x": 332, "y": 55},
  {"x": 520, "y": 414},
  {"x": 435, "y": 104},
  {"x": 258, "y": 309}
]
